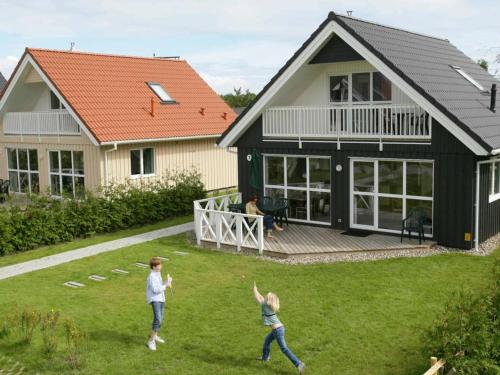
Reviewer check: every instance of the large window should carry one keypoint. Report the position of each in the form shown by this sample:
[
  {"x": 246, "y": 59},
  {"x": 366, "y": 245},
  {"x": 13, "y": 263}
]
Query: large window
[
  {"x": 494, "y": 181},
  {"x": 363, "y": 87},
  {"x": 67, "y": 173},
  {"x": 23, "y": 170},
  {"x": 142, "y": 162},
  {"x": 305, "y": 181},
  {"x": 385, "y": 191}
]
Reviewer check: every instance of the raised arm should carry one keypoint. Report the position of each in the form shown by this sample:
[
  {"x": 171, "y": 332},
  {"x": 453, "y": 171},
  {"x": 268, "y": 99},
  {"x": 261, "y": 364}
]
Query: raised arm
[{"x": 258, "y": 297}]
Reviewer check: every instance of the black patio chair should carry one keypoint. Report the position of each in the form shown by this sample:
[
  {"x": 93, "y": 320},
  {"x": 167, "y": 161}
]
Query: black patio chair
[
  {"x": 282, "y": 213},
  {"x": 414, "y": 222},
  {"x": 4, "y": 190}
]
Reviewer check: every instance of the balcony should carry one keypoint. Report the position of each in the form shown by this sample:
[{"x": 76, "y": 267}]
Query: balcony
[
  {"x": 46, "y": 123},
  {"x": 361, "y": 122}
]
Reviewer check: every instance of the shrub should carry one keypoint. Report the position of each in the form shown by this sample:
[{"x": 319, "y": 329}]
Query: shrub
[
  {"x": 11, "y": 323},
  {"x": 29, "y": 321},
  {"x": 467, "y": 334},
  {"x": 45, "y": 220},
  {"x": 48, "y": 327},
  {"x": 75, "y": 338}
]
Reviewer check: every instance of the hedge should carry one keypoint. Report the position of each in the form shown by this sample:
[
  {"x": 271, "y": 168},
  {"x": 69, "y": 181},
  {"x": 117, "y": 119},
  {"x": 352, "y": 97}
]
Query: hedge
[{"x": 46, "y": 220}]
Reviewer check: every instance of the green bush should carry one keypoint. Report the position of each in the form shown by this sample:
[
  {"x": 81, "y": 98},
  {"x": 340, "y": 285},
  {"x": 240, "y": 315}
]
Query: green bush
[
  {"x": 76, "y": 339},
  {"x": 46, "y": 220},
  {"x": 467, "y": 334},
  {"x": 48, "y": 328}
]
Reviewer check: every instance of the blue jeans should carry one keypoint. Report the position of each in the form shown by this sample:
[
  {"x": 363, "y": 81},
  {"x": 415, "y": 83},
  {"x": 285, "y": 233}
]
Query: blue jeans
[
  {"x": 157, "y": 315},
  {"x": 279, "y": 335},
  {"x": 268, "y": 222}
]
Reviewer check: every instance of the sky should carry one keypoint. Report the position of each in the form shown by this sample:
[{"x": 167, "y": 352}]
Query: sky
[{"x": 231, "y": 43}]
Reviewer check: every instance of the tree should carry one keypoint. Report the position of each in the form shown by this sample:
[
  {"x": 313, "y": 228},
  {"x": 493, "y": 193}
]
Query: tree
[
  {"x": 483, "y": 64},
  {"x": 239, "y": 98}
]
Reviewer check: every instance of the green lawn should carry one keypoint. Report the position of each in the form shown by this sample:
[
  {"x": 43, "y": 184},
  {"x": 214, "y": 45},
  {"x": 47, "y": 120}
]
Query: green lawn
[
  {"x": 344, "y": 318},
  {"x": 93, "y": 240}
]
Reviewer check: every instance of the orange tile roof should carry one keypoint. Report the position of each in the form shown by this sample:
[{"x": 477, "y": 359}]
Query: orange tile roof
[{"x": 110, "y": 95}]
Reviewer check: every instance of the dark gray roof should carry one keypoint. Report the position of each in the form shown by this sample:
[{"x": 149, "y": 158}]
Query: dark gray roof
[
  {"x": 3, "y": 82},
  {"x": 425, "y": 62}
]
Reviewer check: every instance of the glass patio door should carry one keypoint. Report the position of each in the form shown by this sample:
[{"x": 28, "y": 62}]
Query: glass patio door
[
  {"x": 304, "y": 181},
  {"x": 363, "y": 185}
]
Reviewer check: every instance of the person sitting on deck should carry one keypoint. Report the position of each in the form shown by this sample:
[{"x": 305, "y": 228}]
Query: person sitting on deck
[{"x": 252, "y": 209}]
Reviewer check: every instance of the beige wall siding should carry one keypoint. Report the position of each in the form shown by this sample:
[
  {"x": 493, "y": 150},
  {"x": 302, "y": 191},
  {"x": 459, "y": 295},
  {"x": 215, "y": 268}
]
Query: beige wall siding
[{"x": 217, "y": 166}]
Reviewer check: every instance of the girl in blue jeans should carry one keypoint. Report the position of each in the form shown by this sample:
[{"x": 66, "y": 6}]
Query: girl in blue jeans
[{"x": 269, "y": 307}]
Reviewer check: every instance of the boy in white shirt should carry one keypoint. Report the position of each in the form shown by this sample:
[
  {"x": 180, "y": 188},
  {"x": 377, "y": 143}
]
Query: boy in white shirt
[{"x": 155, "y": 294}]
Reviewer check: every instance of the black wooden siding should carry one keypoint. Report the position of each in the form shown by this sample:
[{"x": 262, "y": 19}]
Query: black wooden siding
[
  {"x": 454, "y": 166},
  {"x": 336, "y": 50},
  {"x": 489, "y": 213}
]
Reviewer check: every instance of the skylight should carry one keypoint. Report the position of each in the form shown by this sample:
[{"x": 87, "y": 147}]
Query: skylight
[
  {"x": 464, "y": 74},
  {"x": 160, "y": 91}
]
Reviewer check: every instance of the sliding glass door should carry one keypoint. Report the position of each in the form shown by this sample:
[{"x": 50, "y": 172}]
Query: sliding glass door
[
  {"x": 305, "y": 181},
  {"x": 384, "y": 191}
]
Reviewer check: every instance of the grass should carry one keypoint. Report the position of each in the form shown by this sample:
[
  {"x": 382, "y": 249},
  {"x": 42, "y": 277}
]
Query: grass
[
  {"x": 93, "y": 240},
  {"x": 343, "y": 318}
]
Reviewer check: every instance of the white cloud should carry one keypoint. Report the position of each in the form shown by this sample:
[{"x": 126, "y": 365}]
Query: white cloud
[{"x": 7, "y": 65}]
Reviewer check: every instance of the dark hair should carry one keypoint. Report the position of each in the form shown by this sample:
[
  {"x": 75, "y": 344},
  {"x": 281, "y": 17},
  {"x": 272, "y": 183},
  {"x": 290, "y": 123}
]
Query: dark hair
[
  {"x": 154, "y": 262},
  {"x": 252, "y": 198}
]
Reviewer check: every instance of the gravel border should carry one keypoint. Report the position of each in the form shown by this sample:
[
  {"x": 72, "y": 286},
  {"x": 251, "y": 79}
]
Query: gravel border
[{"x": 486, "y": 248}]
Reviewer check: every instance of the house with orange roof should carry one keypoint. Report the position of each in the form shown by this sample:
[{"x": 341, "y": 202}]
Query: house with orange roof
[{"x": 73, "y": 121}]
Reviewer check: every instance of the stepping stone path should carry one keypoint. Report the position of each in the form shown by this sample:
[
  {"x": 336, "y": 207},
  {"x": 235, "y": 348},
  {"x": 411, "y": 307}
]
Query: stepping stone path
[
  {"x": 10, "y": 367},
  {"x": 119, "y": 271},
  {"x": 74, "y": 284},
  {"x": 181, "y": 253},
  {"x": 141, "y": 265},
  {"x": 163, "y": 258},
  {"x": 97, "y": 278}
]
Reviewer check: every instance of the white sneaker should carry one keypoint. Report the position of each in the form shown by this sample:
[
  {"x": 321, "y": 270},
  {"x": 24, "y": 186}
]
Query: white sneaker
[
  {"x": 151, "y": 345},
  {"x": 159, "y": 339},
  {"x": 301, "y": 367}
]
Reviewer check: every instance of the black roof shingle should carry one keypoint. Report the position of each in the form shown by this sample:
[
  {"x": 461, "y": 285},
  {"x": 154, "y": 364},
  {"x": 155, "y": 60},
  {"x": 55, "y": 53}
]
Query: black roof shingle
[{"x": 3, "y": 82}]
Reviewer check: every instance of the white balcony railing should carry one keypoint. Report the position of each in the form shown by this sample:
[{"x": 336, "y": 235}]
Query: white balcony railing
[
  {"x": 377, "y": 122},
  {"x": 51, "y": 123}
]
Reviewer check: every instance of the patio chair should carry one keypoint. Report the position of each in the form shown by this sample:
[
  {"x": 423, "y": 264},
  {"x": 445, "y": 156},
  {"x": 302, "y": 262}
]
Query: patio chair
[
  {"x": 282, "y": 213},
  {"x": 414, "y": 222},
  {"x": 4, "y": 190}
]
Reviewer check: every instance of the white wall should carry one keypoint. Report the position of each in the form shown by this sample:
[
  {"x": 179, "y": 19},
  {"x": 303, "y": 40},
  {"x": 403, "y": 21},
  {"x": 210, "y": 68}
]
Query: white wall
[{"x": 310, "y": 86}]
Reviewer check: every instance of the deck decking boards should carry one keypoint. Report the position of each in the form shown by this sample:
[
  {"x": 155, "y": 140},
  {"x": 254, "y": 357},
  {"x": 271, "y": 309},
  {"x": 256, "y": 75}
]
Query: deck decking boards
[{"x": 301, "y": 239}]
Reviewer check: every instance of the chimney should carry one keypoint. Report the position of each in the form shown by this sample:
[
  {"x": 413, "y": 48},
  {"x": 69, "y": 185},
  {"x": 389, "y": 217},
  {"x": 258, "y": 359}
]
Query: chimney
[
  {"x": 202, "y": 111},
  {"x": 152, "y": 106},
  {"x": 224, "y": 115},
  {"x": 493, "y": 101}
]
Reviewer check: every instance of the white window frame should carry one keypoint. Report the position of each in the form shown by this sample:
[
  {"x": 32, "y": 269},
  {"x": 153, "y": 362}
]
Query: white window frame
[
  {"x": 60, "y": 174},
  {"x": 349, "y": 95},
  {"x": 469, "y": 78},
  {"x": 18, "y": 171},
  {"x": 160, "y": 92},
  {"x": 307, "y": 189},
  {"x": 494, "y": 169},
  {"x": 141, "y": 174},
  {"x": 375, "y": 194}
]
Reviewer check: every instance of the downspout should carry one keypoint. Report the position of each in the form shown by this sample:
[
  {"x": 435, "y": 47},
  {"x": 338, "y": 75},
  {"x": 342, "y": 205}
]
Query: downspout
[{"x": 106, "y": 178}]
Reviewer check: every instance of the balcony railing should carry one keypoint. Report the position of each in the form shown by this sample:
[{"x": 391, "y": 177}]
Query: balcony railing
[
  {"x": 51, "y": 123},
  {"x": 357, "y": 122}
]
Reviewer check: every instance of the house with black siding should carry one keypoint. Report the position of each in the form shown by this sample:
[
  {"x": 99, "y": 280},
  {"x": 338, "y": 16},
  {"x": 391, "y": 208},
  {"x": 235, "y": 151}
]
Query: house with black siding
[{"x": 367, "y": 122}]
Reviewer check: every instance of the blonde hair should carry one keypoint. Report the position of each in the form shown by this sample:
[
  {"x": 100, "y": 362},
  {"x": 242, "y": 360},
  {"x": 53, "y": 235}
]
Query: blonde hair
[{"x": 273, "y": 301}]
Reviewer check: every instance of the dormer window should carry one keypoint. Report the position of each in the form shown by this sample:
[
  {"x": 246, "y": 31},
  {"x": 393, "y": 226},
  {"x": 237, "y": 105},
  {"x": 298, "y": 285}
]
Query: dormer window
[
  {"x": 464, "y": 74},
  {"x": 161, "y": 92}
]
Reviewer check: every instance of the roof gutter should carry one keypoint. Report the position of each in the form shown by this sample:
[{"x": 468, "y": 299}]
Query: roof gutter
[{"x": 152, "y": 140}]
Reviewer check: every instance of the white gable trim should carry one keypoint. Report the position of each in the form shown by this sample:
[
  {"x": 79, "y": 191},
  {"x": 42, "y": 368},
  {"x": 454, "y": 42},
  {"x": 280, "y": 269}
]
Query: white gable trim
[
  {"x": 334, "y": 27},
  {"x": 29, "y": 60}
]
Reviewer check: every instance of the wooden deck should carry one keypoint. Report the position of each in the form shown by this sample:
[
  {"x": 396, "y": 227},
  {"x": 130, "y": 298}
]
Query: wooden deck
[{"x": 302, "y": 239}]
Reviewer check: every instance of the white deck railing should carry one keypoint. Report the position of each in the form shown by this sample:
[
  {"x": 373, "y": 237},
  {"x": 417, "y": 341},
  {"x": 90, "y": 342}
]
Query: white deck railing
[
  {"x": 53, "y": 123},
  {"x": 215, "y": 223},
  {"x": 383, "y": 121}
]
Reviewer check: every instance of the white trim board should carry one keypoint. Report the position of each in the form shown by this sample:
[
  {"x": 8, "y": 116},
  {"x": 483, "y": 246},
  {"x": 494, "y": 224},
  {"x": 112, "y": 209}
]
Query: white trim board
[
  {"x": 333, "y": 27},
  {"x": 21, "y": 68}
]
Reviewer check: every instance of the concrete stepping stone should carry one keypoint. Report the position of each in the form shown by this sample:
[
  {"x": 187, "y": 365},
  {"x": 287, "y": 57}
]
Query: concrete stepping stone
[
  {"x": 141, "y": 265},
  {"x": 74, "y": 284},
  {"x": 182, "y": 253},
  {"x": 163, "y": 258},
  {"x": 97, "y": 278},
  {"x": 119, "y": 271}
]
